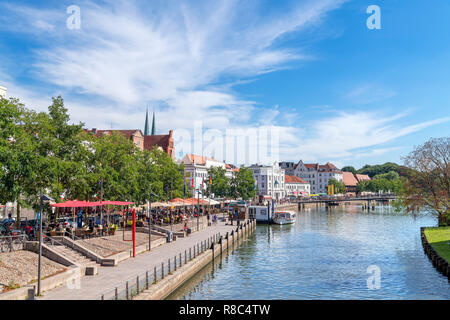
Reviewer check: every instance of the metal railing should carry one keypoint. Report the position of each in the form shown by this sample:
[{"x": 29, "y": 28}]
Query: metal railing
[
  {"x": 137, "y": 284},
  {"x": 12, "y": 243}
]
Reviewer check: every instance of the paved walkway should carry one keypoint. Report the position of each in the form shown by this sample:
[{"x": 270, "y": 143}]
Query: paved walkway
[{"x": 92, "y": 287}]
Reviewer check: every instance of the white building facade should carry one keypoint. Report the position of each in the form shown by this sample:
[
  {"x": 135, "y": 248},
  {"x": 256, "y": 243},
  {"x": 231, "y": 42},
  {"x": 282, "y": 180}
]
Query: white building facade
[
  {"x": 269, "y": 180},
  {"x": 317, "y": 175},
  {"x": 295, "y": 186}
]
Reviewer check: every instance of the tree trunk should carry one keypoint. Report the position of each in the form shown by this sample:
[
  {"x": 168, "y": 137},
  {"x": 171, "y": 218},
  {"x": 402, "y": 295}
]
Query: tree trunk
[
  {"x": 442, "y": 220},
  {"x": 18, "y": 215}
]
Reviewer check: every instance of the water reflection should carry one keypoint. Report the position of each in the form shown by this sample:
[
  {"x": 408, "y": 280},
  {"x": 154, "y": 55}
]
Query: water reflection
[{"x": 325, "y": 255}]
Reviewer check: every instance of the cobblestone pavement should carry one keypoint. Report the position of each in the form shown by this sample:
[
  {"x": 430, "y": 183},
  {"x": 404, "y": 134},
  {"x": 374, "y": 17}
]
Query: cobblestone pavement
[
  {"x": 92, "y": 287},
  {"x": 21, "y": 267}
]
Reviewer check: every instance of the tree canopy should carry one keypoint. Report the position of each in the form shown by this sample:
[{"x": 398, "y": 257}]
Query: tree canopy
[
  {"x": 45, "y": 151},
  {"x": 427, "y": 183}
]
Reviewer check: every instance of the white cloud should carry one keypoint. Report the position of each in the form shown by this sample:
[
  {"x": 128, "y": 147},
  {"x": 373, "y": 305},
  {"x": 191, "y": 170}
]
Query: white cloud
[
  {"x": 369, "y": 93},
  {"x": 184, "y": 60},
  {"x": 340, "y": 137}
]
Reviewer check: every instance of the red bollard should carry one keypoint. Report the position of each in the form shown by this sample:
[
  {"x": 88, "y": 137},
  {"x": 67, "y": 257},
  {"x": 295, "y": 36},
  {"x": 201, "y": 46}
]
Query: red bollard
[{"x": 134, "y": 233}]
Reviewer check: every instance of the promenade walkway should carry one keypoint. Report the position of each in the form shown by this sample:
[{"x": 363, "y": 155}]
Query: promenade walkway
[{"x": 108, "y": 278}]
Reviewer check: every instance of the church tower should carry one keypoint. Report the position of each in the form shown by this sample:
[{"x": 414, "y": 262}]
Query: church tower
[
  {"x": 146, "y": 128},
  {"x": 153, "y": 125}
]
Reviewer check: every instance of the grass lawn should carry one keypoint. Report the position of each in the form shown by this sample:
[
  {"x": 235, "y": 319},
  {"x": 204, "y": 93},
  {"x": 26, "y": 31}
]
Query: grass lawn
[{"x": 439, "y": 238}]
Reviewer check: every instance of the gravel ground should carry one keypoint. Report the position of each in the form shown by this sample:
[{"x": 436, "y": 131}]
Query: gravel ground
[
  {"x": 107, "y": 246},
  {"x": 19, "y": 268}
]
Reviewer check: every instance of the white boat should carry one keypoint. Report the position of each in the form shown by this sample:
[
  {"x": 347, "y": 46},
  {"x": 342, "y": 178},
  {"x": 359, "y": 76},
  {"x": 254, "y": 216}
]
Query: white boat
[{"x": 284, "y": 217}]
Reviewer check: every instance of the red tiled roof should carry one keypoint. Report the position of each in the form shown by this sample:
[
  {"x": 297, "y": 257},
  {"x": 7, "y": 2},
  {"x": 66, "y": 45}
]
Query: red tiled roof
[
  {"x": 311, "y": 165},
  {"x": 293, "y": 179},
  {"x": 349, "y": 179},
  {"x": 329, "y": 167},
  {"x": 161, "y": 140},
  {"x": 362, "y": 177},
  {"x": 193, "y": 158},
  {"x": 126, "y": 133}
]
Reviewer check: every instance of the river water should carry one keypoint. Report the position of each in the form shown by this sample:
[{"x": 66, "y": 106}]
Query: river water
[{"x": 326, "y": 255}]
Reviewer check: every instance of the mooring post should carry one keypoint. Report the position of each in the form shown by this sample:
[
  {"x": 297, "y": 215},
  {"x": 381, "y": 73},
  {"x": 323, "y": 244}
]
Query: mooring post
[{"x": 137, "y": 284}]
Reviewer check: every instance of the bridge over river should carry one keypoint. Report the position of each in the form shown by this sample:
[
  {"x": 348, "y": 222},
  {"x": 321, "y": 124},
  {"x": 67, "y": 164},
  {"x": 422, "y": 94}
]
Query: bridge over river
[{"x": 335, "y": 200}]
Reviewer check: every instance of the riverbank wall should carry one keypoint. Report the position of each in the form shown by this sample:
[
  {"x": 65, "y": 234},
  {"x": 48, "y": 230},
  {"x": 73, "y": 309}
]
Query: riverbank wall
[
  {"x": 215, "y": 250},
  {"x": 438, "y": 262}
]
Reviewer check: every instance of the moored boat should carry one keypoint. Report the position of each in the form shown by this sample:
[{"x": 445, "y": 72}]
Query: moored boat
[{"x": 284, "y": 217}]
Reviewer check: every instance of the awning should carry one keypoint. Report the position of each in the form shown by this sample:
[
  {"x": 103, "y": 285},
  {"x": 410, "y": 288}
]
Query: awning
[
  {"x": 72, "y": 204},
  {"x": 114, "y": 203},
  {"x": 84, "y": 204}
]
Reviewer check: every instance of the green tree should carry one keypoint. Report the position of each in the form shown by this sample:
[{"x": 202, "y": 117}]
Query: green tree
[
  {"x": 349, "y": 169},
  {"x": 391, "y": 175},
  {"x": 17, "y": 156},
  {"x": 59, "y": 146},
  {"x": 243, "y": 184},
  {"x": 427, "y": 184},
  {"x": 219, "y": 185},
  {"x": 374, "y": 170},
  {"x": 171, "y": 175},
  {"x": 339, "y": 187}
]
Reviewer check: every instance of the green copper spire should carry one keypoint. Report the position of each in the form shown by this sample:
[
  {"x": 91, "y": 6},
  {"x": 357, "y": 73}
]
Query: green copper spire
[
  {"x": 153, "y": 124},
  {"x": 146, "y": 128}
]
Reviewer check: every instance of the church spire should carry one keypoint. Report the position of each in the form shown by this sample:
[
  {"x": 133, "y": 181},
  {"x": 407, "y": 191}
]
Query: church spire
[
  {"x": 146, "y": 128},
  {"x": 153, "y": 125}
]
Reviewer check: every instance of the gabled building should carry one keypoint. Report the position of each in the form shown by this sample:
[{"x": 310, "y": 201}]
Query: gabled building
[
  {"x": 317, "y": 175},
  {"x": 362, "y": 177},
  {"x": 162, "y": 141},
  {"x": 134, "y": 135},
  {"x": 142, "y": 141},
  {"x": 350, "y": 182},
  {"x": 288, "y": 167}
]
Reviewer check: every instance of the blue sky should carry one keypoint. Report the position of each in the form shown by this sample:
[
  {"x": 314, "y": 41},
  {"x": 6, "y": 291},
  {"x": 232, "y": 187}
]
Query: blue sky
[{"x": 335, "y": 90}]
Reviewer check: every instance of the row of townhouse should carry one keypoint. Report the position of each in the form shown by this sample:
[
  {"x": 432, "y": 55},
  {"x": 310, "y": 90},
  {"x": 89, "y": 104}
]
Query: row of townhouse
[
  {"x": 315, "y": 174},
  {"x": 272, "y": 182}
]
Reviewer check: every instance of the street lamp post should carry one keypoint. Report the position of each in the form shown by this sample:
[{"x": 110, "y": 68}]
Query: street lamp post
[
  {"x": 40, "y": 244},
  {"x": 101, "y": 206},
  {"x": 41, "y": 199},
  {"x": 149, "y": 211}
]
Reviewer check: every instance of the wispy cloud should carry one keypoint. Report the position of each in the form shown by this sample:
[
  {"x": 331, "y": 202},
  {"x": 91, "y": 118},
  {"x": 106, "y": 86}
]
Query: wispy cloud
[
  {"x": 369, "y": 93},
  {"x": 340, "y": 136},
  {"x": 185, "y": 60}
]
